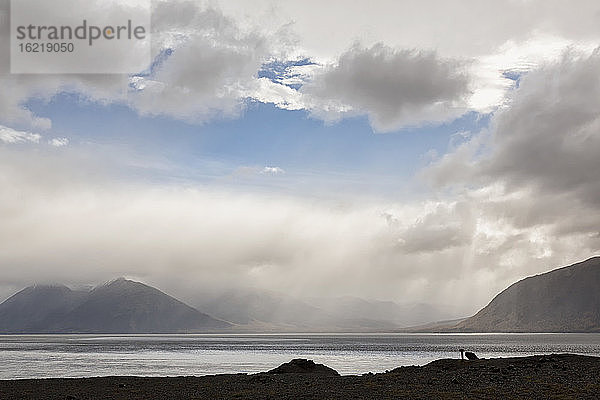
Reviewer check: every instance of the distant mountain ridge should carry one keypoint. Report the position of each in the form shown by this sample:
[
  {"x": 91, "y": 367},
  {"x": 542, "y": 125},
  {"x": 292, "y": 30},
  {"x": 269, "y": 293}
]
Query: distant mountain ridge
[
  {"x": 566, "y": 299},
  {"x": 271, "y": 311},
  {"x": 263, "y": 310},
  {"x": 120, "y": 306}
]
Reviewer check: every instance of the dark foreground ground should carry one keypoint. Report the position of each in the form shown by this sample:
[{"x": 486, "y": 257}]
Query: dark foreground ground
[{"x": 563, "y": 376}]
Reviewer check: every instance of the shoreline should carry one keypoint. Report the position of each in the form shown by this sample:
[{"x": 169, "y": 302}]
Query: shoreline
[{"x": 546, "y": 376}]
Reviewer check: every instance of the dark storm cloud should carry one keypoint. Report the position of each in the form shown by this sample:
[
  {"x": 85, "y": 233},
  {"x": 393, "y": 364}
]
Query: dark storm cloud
[{"x": 393, "y": 87}]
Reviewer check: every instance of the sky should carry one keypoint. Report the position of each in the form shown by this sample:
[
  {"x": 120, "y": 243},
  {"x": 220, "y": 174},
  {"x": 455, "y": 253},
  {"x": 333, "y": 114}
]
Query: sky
[{"x": 416, "y": 151}]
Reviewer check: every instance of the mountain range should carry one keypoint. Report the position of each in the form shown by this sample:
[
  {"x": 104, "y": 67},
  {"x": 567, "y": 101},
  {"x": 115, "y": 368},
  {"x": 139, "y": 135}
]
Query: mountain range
[
  {"x": 563, "y": 300},
  {"x": 260, "y": 310},
  {"x": 125, "y": 306},
  {"x": 120, "y": 306}
]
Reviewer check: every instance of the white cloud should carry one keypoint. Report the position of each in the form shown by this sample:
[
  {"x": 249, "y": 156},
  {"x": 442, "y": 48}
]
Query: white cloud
[
  {"x": 59, "y": 142},
  {"x": 284, "y": 97},
  {"x": 9, "y": 135},
  {"x": 272, "y": 171},
  {"x": 490, "y": 84},
  {"x": 256, "y": 171}
]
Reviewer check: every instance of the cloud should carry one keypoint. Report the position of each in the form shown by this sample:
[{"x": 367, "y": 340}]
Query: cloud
[
  {"x": 284, "y": 97},
  {"x": 394, "y": 87},
  {"x": 272, "y": 171},
  {"x": 212, "y": 64},
  {"x": 254, "y": 171},
  {"x": 445, "y": 227},
  {"x": 10, "y": 136},
  {"x": 59, "y": 142},
  {"x": 428, "y": 251},
  {"x": 538, "y": 160},
  {"x": 17, "y": 89},
  {"x": 493, "y": 36},
  {"x": 205, "y": 67},
  {"x": 470, "y": 28},
  {"x": 547, "y": 138},
  {"x": 208, "y": 59}
]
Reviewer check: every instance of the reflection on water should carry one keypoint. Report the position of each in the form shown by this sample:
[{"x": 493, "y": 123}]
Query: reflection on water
[{"x": 36, "y": 356}]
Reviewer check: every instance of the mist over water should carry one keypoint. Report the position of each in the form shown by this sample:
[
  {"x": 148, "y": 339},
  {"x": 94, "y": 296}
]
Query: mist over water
[{"x": 45, "y": 356}]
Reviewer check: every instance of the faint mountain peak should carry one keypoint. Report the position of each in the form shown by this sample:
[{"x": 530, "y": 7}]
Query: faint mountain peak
[{"x": 119, "y": 281}]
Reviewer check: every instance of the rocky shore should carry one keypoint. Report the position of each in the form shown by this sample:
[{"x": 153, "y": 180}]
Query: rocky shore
[{"x": 557, "y": 376}]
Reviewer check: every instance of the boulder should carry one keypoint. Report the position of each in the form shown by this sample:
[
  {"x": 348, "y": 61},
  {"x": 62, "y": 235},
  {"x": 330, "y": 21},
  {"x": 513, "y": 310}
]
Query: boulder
[{"x": 303, "y": 366}]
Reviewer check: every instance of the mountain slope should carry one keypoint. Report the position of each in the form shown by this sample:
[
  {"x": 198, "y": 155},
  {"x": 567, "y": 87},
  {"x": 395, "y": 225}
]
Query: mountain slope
[
  {"x": 247, "y": 306},
  {"x": 564, "y": 300},
  {"x": 401, "y": 315},
  {"x": 121, "y": 306},
  {"x": 272, "y": 311},
  {"x": 35, "y": 308}
]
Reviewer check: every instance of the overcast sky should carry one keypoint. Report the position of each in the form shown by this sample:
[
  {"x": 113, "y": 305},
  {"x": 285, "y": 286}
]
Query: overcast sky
[{"x": 416, "y": 151}]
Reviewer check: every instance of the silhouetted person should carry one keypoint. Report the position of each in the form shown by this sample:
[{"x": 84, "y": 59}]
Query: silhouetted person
[
  {"x": 471, "y": 355},
  {"x": 462, "y": 354}
]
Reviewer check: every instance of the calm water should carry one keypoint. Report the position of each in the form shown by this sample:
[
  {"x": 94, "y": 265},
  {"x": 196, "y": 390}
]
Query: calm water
[{"x": 36, "y": 356}]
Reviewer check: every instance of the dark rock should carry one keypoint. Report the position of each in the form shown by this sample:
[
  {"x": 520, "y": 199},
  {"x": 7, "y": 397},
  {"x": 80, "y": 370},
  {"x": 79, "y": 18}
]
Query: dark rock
[{"x": 303, "y": 366}]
